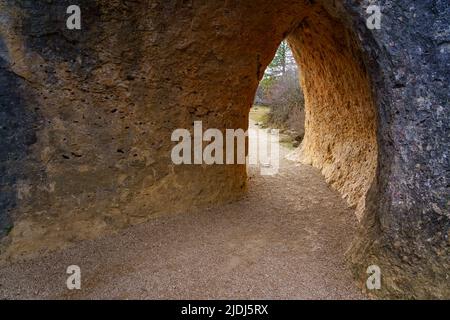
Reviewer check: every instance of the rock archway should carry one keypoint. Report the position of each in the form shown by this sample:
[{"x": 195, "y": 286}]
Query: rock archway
[{"x": 87, "y": 118}]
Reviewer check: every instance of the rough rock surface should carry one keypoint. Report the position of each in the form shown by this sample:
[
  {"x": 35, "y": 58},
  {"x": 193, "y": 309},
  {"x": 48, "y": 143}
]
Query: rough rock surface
[
  {"x": 340, "y": 125},
  {"x": 86, "y": 117}
]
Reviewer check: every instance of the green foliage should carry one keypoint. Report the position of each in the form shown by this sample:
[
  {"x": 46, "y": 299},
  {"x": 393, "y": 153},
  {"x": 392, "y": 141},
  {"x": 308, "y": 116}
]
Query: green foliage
[
  {"x": 278, "y": 65},
  {"x": 280, "y": 90}
]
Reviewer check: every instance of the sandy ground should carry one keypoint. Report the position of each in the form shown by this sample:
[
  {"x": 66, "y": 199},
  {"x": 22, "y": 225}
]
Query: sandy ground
[{"x": 285, "y": 240}]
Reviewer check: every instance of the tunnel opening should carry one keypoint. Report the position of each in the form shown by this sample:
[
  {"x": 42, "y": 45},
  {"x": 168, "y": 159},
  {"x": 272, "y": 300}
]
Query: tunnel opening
[{"x": 339, "y": 135}]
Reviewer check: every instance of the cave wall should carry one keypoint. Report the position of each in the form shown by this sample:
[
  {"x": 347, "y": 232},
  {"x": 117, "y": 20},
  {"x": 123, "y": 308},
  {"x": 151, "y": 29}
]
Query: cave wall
[
  {"x": 340, "y": 120},
  {"x": 104, "y": 101},
  {"x": 407, "y": 212},
  {"x": 87, "y": 117}
]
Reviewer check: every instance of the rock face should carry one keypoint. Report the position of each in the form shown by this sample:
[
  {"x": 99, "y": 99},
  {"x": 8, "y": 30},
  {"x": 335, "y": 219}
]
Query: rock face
[
  {"x": 340, "y": 125},
  {"x": 87, "y": 115}
]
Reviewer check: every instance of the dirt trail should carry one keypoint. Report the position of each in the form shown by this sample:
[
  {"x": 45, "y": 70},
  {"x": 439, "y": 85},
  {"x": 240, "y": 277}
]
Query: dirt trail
[{"x": 285, "y": 240}]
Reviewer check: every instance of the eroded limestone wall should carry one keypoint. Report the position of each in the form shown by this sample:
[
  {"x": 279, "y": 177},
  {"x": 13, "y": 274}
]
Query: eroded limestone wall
[
  {"x": 340, "y": 120},
  {"x": 101, "y": 105}
]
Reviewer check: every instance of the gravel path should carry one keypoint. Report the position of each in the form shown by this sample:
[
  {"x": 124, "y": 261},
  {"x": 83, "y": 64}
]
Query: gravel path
[{"x": 285, "y": 240}]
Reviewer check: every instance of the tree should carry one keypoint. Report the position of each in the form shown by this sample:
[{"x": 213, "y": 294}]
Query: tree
[
  {"x": 281, "y": 71},
  {"x": 282, "y": 62},
  {"x": 280, "y": 90}
]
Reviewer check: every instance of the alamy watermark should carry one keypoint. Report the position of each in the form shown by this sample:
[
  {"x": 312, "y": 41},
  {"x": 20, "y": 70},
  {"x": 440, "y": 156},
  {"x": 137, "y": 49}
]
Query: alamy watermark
[
  {"x": 374, "y": 19},
  {"x": 214, "y": 146},
  {"x": 73, "y": 282},
  {"x": 374, "y": 280},
  {"x": 73, "y": 22}
]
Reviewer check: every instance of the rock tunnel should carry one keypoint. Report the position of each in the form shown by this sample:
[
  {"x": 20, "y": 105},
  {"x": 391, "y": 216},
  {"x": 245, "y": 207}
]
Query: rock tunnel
[{"x": 87, "y": 116}]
